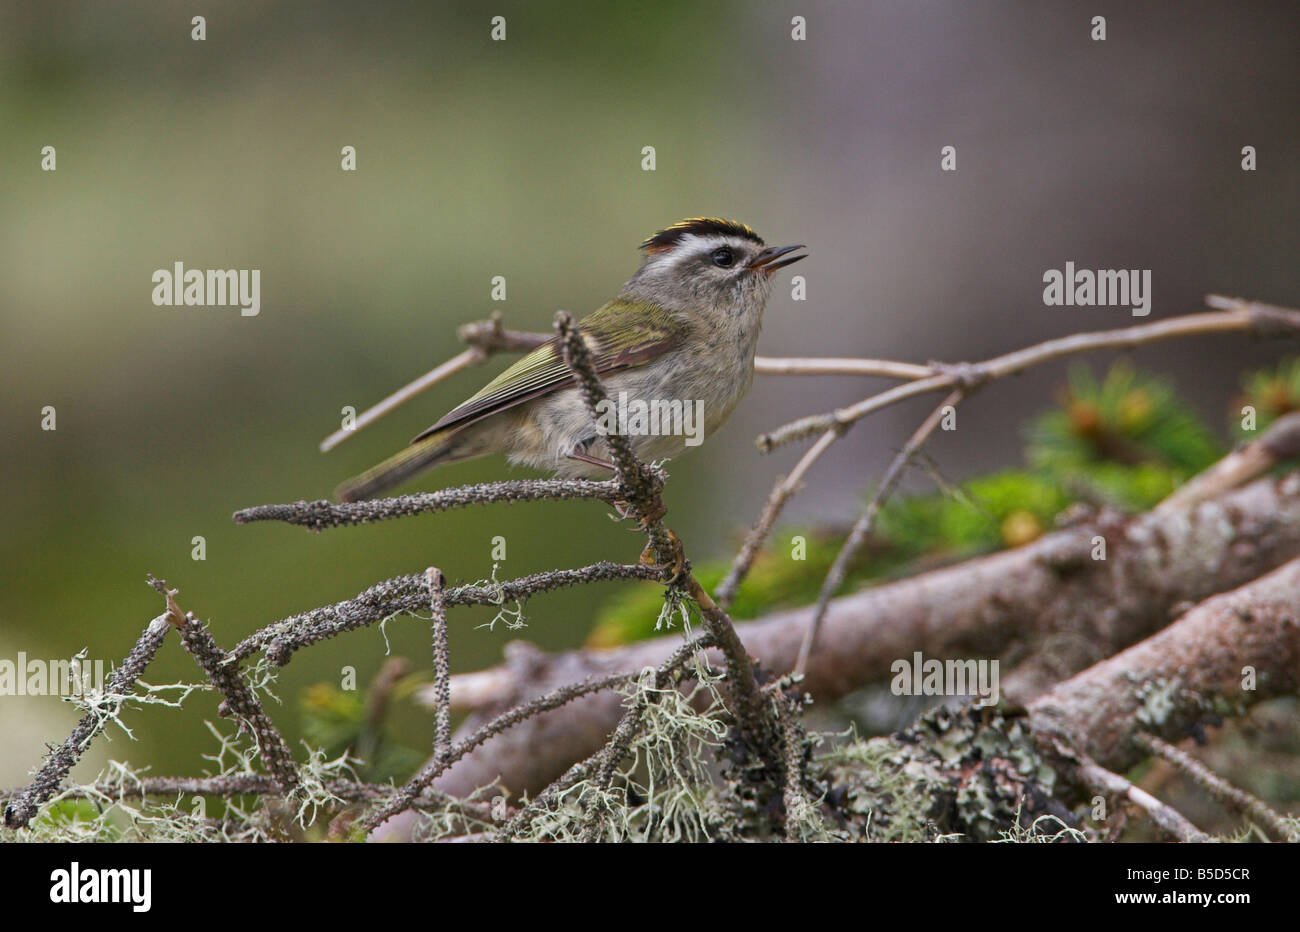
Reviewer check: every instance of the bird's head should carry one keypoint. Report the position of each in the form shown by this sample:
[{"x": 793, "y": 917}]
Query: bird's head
[{"x": 711, "y": 266}]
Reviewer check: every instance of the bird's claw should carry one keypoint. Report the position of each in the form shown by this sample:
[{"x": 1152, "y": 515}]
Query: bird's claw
[
  {"x": 644, "y": 522},
  {"x": 655, "y": 515},
  {"x": 677, "y": 567}
]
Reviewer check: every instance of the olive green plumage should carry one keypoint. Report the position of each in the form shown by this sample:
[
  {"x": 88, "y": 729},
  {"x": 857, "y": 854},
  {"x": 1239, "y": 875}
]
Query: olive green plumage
[{"x": 684, "y": 330}]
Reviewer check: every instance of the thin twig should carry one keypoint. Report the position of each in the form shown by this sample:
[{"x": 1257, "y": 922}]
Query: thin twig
[
  {"x": 862, "y": 528},
  {"x": 441, "y": 665},
  {"x": 61, "y": 759},
  {"x": 1238, "y": 316},
  {"x": 485, "y": 338},
  {"x": 239, "y": 698},
  {"x": 1245, "y": 803},
  {"x": 781, "y": 493},
  {"x": 1168, "y": 819},
  {"x": 1279, "y": 443},
  {"x": 635, "y": 479},
  {"x": 643, "y": 497},
  {"x": 322, "y": 514},
  {"x": 282, "y": 638},
  {"x": 254, "y": 784},
  {"x": 886, "y": 368}
]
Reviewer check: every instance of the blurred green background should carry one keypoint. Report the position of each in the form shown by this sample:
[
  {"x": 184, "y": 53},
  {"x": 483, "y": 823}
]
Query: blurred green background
[{"x": 523, "y": 159}]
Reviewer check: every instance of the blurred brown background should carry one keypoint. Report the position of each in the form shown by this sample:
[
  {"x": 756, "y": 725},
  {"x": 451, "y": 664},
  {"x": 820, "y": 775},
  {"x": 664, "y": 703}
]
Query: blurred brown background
[{"x": 522, "y": 158}]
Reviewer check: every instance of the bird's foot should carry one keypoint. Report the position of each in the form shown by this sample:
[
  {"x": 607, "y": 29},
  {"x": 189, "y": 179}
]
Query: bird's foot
[
  {"x": 625, "y": 510},
  {"x": 676, "y": 566}
]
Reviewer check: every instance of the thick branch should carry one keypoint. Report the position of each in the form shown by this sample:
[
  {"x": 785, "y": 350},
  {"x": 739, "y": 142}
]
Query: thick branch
[
  {"x": 1002, "y": 605},
  {"x": 1223, "y": 656}
]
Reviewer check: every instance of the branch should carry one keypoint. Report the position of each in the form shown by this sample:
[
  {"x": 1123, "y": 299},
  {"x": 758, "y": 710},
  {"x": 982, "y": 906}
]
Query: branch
[
  {"x": 60, "y": 760},
  {"x": 1223, "y": 656},
  {"x": 321, "y": 514},
  {"x": 239, "y": 701},
  {"x": 644, "y": 499},
  {"x": 758, "y": 534},
  {"x": 1281, "y": 442},
  {"x": 439, "y": 764},
  {"x": 862, "y": 527},
  {"x": 1240, "y": 316},
  {"x": 1220, "y": 789},
  {"x": 485, "y": 339},
  {"x": 282, "y": 638},
  {"x": 1262, "y": 318},
  {"x": 441, "y": 664},
  {"x": 256, "y": 784},
  {"x": 1168, "y": 819},
  {"x": 887, "y": 368},
  {"x": 986, "y": 607}
]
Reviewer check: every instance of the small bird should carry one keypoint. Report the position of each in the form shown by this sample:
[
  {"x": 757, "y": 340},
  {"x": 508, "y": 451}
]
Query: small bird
[{"x": 683, "y": 329}]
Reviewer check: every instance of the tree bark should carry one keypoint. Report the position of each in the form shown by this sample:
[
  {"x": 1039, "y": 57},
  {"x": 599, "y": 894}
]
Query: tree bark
[{"x": 1048, "y": 605}]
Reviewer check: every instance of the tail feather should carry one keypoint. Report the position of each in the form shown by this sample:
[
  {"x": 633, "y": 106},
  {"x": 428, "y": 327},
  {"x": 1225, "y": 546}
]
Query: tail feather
[{"x": 395, "y": 469}]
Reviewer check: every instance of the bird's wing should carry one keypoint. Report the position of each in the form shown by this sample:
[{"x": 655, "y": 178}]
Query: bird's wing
[{"x": 614, "y": 342}]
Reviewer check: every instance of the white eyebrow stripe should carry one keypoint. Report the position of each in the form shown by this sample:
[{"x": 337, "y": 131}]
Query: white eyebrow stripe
[{"x": 693, "y": 244}]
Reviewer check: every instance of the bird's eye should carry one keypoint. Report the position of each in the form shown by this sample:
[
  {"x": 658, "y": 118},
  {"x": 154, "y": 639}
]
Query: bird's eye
[{"x": 722, "y": 257}]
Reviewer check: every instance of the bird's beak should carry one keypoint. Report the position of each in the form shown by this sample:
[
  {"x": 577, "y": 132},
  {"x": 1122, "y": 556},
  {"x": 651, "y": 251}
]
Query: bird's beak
[{"x": 766, "y": 262}]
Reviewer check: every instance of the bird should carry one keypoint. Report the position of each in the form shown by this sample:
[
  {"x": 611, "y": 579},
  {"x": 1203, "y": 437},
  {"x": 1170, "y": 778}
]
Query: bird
[{"x": 684, "y": 328}]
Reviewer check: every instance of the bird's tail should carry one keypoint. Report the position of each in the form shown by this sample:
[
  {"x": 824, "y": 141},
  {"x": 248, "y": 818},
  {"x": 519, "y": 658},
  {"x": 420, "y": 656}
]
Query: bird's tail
[{"x": 397, "y": 468}]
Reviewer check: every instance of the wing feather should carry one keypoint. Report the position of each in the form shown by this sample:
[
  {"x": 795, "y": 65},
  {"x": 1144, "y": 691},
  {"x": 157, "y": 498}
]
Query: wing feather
[{"x": 615, "y": 345}]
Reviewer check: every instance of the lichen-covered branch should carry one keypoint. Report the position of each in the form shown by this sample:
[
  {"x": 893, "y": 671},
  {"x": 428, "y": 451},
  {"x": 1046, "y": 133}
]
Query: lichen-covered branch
[
  {"x": 411, "y": 594},
  {"x": 320, "y": 515},
  {"x": 1006, "y": 605},
  {"x": 1223, "y": 656},
  {"x": 239, "y": 701},
  {"x": 441, "y": 665},
  {"x": 643, "y": 496},
  {"x": 61, "y": 759}
]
